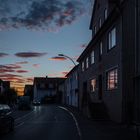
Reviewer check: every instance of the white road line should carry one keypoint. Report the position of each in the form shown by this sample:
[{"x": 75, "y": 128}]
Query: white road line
[
  {"x": 19, "y": 125},
  {"x": 76, "y": 122},
  {"x": 24, "y": 116}
]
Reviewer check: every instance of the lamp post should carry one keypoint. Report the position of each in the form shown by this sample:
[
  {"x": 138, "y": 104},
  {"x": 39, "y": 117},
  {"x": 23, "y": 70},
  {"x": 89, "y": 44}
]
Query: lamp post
[{"x": 62, "y": 55}]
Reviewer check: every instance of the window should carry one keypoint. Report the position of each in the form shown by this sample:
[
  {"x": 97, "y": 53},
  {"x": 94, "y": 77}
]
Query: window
[
  {"x": 92, "y": 57},
  {"x": 95, "y": 29},
  {"x": 100, "y": 22},
  {"x": 112, "y": 79},
  {"x": 93, "y": 85},
  {"x": 105, "y": 13},
  {"x": 100, "y": 50},
  {"x": 83, "y": 66},
  {"x": 112, "y": 38},
  {"x": 87, "y": 61}
]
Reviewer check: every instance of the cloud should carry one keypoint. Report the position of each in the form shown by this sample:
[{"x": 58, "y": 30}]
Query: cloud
[
  {"x": 29, "y": 54},
  {"x": 3, "y": 70},
  {"x": 10, "y": 67},
  {"x": 23, "y": 62},
  {"x": 65, "y": 73},
  {"x": 36, "y": 65},
  {"x": 42, "y": 14},
  {"x": 83, "y": 46},
  {"x": 22, "y": 71},
  {"x": 58, "y": 58},
  {"x": 30, "y": 80},
  {"x": 9, "y": 75},
  {"x": 3, "y": 54}
]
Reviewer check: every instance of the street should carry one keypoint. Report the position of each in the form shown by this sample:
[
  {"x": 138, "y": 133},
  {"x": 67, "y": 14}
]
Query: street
[{"x": 48, "y": 122}]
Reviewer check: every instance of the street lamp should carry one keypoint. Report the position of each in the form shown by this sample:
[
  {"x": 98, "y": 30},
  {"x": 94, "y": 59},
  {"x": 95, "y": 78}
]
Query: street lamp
[{"x": 62, "y": 55}]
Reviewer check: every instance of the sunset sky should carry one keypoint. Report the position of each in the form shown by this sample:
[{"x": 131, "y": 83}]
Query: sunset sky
[{"x": 34, "y": 32}]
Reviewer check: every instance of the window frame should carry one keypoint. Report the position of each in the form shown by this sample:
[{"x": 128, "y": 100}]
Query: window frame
[
  {"x": 105, "y": 13},
  {"x": 100, "y": 50},
  {"x": 92, "y": 57},
  {"x": 87, "y": 63},
  {"x": 115, "y": 79},
  {"x": 112, "y": 38},
  {"x": 83, "y": 66},
  {"x": 93, "y": 89}
]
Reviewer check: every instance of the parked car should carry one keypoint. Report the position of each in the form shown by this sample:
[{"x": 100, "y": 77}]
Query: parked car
[
  {"x": 6, "y": 120},
  {"x": 24, "y": 103},
  {"x": 36, "y": 103}
]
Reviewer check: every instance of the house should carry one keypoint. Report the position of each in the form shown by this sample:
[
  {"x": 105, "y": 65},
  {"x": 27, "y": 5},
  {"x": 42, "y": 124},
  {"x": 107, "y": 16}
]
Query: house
[
  {"x": 107, "y": 65},
  {"x": 1, "y": 86},
  {"x": 71, "y": 87},
  {"x": 28, "y": 91},
  {"x": 46, "y": 89},
  {"x": 4, "y": 86}
]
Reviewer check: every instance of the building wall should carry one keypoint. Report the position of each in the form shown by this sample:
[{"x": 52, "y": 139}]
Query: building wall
[
  {"x": 128, "y": 59},
  {"x": 71, "y": 86},
  {"x": 112, "y": 99}
]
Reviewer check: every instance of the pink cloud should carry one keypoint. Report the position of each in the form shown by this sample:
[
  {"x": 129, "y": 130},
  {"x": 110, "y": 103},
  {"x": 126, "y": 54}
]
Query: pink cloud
[
  {"x": 21, "y": 71},
  {"x": 23, "y": 62},
  {"x": 36, "y": 65},
  {"x": 3, "y": 54},
  {"x": 58, "y": 58},
  {"x": 9, "y": 75}
]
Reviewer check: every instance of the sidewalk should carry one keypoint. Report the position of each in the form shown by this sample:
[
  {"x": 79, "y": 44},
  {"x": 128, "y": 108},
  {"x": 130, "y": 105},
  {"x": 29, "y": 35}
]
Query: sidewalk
[{"x": 102, "y": 129}]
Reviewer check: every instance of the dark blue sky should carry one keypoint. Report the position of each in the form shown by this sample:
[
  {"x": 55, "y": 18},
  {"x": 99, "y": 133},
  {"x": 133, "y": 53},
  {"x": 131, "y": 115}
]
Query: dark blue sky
[{"x": 34, "y": 32}]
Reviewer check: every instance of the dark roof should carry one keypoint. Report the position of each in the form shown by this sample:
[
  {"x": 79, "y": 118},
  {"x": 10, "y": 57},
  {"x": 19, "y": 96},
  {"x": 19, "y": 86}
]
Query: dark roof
[
  {"x": 47, "y": 79},
  {"x": 91, "y": 22},
  {"x": 72, "y": 70},
  {"x": 112, "y": 16}
]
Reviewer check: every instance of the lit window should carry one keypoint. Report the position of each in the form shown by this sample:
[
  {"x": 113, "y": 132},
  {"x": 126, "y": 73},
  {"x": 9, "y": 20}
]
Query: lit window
[
  {"x": 100, "y": 22},
  {"x": 112, "y": 79},
  {"x": 105, "y": 13},
  {"x": 112, "y": 38},
  {"x": 92, "y": 57},
  {"x": 87, "y": 60},
  {"x": 93, "y": 85},
  {"x": 83, "y": 65}
]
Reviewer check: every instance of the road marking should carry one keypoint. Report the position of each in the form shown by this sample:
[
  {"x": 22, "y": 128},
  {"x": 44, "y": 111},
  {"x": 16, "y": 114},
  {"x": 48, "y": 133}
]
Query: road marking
[
  {"x": 19, "y": 125},
  {"x": 76, "y": 122},
  {"x": 24, "y": 116}
]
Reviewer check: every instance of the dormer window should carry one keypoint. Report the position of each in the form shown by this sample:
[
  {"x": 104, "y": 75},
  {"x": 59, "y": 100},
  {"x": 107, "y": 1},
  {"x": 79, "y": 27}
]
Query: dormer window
[{"x": 105, "y": 13}]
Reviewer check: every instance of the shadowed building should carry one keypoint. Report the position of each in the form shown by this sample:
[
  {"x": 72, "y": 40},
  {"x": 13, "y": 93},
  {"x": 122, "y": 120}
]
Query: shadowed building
[
  {"x": 46, "y": 89},
  {"x": 71, "y": 87},
  {"x": 28, "y": 91},
  {"x": 107, "y": 65}
]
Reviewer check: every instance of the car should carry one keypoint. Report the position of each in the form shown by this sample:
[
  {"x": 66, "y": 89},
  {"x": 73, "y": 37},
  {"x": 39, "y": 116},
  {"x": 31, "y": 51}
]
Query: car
[
  {"x": 36, "y": 103},
  {"x": 24, "y": 103},
  {"x": 6, "y": 120}
]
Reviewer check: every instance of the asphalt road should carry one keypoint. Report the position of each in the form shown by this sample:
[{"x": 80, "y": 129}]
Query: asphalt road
[{"x": 45, "y": 123}]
